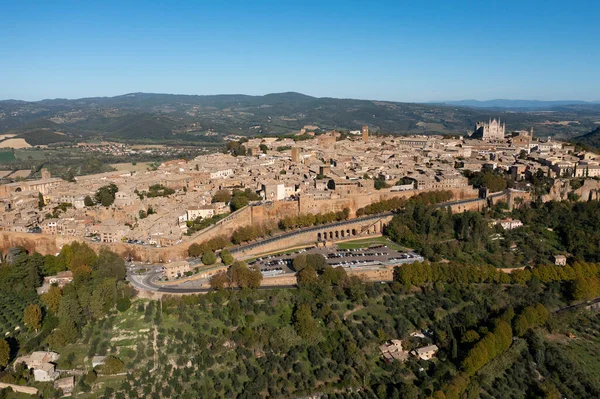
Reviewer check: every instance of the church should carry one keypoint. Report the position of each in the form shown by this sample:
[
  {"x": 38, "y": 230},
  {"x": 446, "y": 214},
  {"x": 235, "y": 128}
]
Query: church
[{"x": 491, "y": 131}]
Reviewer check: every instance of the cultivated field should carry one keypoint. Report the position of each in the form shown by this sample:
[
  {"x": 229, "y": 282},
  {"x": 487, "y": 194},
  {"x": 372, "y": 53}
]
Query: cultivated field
[
  {"x": 14, "y": 143},
  {"x": 6, "y": 156},
  {"x": 33, "y": 153},
  {"x": 139, "y": 167},
  {"x": 21, "y": 173}
]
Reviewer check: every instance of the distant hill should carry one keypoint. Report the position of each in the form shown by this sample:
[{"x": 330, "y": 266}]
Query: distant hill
[
  {"x": 590, "y": 140},
  {"x": 147, "y": 125},
  {"x": 189, "y": 118},
  {"x": 42, "y": 132},
  {"x": 516, "y": 104}
]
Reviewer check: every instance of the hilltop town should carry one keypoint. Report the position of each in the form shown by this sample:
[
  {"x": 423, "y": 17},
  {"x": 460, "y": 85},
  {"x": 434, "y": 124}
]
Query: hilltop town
[
  {"x": 311, "y": 211},
  {"x": 306, "y": 200},
  {"x": 321, "y": 173}
]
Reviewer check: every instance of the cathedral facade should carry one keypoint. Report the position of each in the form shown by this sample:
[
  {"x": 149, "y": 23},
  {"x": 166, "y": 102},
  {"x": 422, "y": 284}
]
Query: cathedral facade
[{"x": 491, "y": 131}]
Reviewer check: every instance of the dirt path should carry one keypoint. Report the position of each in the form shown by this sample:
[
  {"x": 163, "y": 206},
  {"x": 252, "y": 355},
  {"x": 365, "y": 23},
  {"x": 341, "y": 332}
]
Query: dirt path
[
  {"x": 155, "y": 347},
  {"x": 155, "y": 340},
  {"x": 349, "y": 312}
]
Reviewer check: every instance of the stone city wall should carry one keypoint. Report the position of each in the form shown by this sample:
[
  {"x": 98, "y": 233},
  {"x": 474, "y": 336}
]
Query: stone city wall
[
  {"x": 357, "y": 201},
  {"x": 339, "y": 231},
  {"x": 267, "y": 214}
]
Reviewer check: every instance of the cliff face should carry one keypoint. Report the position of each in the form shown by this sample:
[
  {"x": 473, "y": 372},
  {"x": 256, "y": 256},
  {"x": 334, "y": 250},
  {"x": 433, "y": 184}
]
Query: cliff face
[
  {"x": 562, "y": 188},
  {"x": 589, "y": 191},
  {"x": 44, "y": 244}
]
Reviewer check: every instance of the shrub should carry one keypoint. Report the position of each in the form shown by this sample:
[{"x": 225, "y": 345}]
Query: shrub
[
  {"x": 113, "y": 365},
  {"x": 123, "y": 304},
  {"x": 226, "y": 257},
  {"x": 209, "y": 258}
]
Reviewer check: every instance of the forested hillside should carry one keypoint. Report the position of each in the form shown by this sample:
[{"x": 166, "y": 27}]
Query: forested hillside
[
  {"x": 497, "y": 335},
  {"x": 589, "y": 140}
]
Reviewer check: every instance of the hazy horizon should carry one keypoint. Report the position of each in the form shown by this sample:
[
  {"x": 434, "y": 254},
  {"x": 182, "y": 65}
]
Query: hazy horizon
[{"x": 307, "y": 94}]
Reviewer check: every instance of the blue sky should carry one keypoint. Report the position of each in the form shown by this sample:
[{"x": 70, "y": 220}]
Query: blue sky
[{"x": 387, "y": 50}]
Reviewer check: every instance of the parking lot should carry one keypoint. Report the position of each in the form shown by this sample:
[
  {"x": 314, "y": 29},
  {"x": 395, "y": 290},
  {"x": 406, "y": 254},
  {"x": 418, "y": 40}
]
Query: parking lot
[
  {"x": 378, "y": 254},
  {"x": 273, "y": 265}
]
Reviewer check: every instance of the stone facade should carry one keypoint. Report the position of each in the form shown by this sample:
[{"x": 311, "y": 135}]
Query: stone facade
[{"x": 491, "y": 131}]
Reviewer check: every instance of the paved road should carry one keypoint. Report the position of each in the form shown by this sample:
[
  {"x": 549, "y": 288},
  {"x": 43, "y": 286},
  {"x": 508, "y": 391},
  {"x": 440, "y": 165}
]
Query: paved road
[
  {"x": 147, "y": 282},
  {"x": 578, "y": 305}
]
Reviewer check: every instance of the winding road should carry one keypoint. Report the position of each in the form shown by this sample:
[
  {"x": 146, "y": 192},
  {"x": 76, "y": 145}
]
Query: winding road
[{"x": 147, "y": 280}]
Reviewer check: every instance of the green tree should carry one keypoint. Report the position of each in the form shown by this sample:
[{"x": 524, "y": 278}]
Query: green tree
[
  {"x": 52, "y": 298},
  {"x": 106, "y": 199},
  {"x": 53, "y": 265},
  {"x": 219, "y": 280},
  {"x": 307, "y": 276},
  {"x": 300, "y": 262},
  {"x": 585, "y": 288},
  {"x": 283, "y": 339},
  {"x": 240, "y": 275},
  {"x": 76, "y": 254},
  {"x": 123, "y": 304},
  {"x": 226, "y": 257},
  {"x": 304, "y": 323},
  {"x": 41, "y": 201},
  {"x": 106, "y": 195},
  {"x": 221, "y": 196},
  {"x": 65, "y": 333},
  {"x": 209, "y": 258},
  {"x": 380, "y": 183},
  {"x": 238, "y": 202},
  {"x": 195, "y": 250},
  {"x": 470, "y": 336},
  {"x": 4, "y": 353},
  {"x": 69, "y": 309},
  {"x": 109, "y": 264},
  {"x": 32, "y": 316},
  {"x": 317, "y": 261},
  {"x": 88, "y": 201},
  {"x": 113, "y": 365},
  {"x": 91, "y": 377}
]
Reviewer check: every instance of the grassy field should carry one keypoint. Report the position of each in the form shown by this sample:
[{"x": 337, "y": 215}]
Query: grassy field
[
  {"x": 37, "y": 155},
  {"x": 139, "y": 167},
  {"x": 7, "y": 155},
  {"x": 367, "y": 242}
]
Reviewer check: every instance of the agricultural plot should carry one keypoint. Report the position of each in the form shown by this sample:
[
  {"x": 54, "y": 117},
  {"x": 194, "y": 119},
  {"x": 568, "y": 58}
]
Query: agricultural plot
[
  {"x": 34, "y": 154},
  {"x": 128, "y": 166},
  {"x": 11, "y": 311},
  {"x": 7, "y": 156}
]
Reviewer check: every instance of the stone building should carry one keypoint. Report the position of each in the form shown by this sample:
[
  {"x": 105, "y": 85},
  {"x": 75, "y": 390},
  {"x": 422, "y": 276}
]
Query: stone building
[
  {"x": 491, "y": 131},
  {"x": 176, "y": 269},
  {"x": 560, "y": 260}
]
